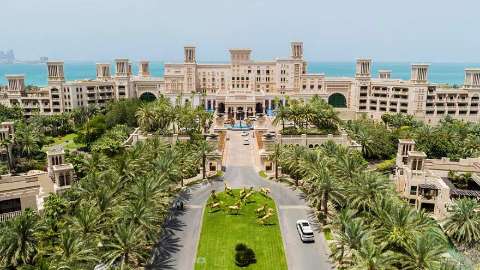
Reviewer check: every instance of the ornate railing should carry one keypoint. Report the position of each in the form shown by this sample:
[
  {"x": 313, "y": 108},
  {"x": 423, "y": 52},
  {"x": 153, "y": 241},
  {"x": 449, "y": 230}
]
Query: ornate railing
[{"x": 6, "y": 216}]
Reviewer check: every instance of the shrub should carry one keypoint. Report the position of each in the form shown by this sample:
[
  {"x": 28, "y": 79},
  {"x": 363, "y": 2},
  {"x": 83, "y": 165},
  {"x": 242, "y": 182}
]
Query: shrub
[
  {"x": 244, "y": 255},
  {"x": 240, "y": 247},
  {"x": 386, "y": 166}
]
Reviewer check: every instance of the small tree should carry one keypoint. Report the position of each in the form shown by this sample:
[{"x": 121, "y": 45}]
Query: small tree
[
  {"x": 275, "y": 157},
  {"x": 244, "y": 255}
]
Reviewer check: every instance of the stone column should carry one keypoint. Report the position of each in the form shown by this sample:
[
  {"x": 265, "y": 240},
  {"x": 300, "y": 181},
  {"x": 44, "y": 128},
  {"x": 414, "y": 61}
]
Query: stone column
[{"x": 304, "y": 139}]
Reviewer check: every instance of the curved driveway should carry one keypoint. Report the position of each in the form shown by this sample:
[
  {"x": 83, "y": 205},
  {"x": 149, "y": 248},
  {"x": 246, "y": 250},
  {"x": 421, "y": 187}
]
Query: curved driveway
[{"x": 177, "y": 250}]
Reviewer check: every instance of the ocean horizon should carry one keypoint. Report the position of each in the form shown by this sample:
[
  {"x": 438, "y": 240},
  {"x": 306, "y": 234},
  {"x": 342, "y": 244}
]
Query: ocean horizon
[{"x": 444, "y": 73}]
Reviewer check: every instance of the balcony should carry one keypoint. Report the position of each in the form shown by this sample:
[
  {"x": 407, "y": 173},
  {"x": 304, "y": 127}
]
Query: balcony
[{"x": 428, "y": 192}]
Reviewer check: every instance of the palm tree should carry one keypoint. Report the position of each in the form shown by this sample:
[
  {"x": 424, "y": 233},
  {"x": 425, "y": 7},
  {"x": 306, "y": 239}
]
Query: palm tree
[
  {"x": 203, "y": 149},
  {"x": 291, "y": 159},
  {"x": 348, "y": 164},
  {"x": 18, "y": 243},
  {"x": 40, "y": 264},
  {"x": 104, "y": 199},
  {"x": 87, "y": 221},
  {"x": 281, "y": 115},
  {"x": 425, "y": 252},
  {"x": 323, "y": 115},
  {"x": 146, "y": 117},
  {"x": 127, "y": 166},
  {"x": 275, "y": 157},
  {"x": 364, "y": 138},
  {"x": 26, "y": 138},
  {"x": 74, "y": 252},
  {"x": 205, "y": 119},
  {"x": 463, "y": 224},
  {"x": 7, "y": 143},
  {"x": 323, "y": 182},
  {"x": 127, "y": 247},
  {"x": 398, "y": 223},
  {"x": 168, "y": 166},
  {"x": 365, "y": 188},
  {"x": 372, "y": 256},
  {"x": 348, "y": 240},
  {"x": 144, "y": 214}
]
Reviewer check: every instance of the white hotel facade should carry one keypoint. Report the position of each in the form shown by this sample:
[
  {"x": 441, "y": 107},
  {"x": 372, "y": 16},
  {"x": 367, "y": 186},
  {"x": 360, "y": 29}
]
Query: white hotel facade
[{"x": 245, "y": 87}]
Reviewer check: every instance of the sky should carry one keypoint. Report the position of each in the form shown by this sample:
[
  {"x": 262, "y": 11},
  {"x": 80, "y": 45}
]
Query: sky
[{"x": 336, "y": 30}]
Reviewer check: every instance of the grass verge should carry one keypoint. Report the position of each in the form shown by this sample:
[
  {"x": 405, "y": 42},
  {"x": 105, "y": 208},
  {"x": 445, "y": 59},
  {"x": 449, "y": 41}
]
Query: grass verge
[
  {"x": 221, "y": 231},
  {"x": 66, "y": 141}
]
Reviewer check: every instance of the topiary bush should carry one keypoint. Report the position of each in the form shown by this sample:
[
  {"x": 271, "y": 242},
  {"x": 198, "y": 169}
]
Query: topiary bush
[{"x": 244, "y": 255}]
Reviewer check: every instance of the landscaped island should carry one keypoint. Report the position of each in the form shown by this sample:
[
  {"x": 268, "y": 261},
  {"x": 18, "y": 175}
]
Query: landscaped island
[{"x": 223, "y": 229}]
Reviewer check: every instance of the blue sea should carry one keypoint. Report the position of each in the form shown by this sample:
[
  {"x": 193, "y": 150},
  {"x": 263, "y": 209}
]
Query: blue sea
[{"x": 451, "y": 73}]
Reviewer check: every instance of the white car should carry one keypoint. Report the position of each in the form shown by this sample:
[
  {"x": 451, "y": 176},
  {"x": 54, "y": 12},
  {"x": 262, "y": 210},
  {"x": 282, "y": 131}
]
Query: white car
[
  {"x": 305, "y": 231},
  {"x": 244, "y": 133},
  {"x": 246, "y": 142}
]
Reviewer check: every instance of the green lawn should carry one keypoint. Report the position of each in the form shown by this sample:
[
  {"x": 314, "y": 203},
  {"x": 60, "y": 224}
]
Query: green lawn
[
  {"x": 66, "y": 141},
  {"x": 222, "y": 231}
]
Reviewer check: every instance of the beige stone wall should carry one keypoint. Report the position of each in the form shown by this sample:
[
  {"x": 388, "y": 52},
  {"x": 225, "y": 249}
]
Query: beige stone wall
[{"x": 29, "y": 202}]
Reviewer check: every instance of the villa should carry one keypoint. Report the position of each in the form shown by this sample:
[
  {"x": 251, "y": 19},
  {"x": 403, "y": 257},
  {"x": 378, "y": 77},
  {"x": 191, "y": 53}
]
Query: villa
[
  {"x": 245, "y": 87},
  {"x": 427, "y": 183},
  {"x": 28, "y": 190}
]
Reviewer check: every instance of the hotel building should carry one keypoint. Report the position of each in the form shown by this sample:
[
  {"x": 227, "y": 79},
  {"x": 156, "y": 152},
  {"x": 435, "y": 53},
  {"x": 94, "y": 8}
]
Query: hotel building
[{"x": 244, "y": 87}]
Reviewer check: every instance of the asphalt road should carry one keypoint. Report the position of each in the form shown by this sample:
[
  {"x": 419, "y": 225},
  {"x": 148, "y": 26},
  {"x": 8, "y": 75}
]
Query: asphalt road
[{"x": 177, "y": 249}]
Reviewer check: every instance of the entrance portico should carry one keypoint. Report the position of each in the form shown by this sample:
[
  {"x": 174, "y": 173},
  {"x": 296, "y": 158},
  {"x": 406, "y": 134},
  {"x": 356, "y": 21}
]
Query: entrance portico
[
  {"x": 239, "y": 107},
  {"x": 240, "y": 112}
]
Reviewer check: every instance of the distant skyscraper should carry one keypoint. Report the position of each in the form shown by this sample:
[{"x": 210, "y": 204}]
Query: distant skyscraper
[{"x": 7, "y": 57}]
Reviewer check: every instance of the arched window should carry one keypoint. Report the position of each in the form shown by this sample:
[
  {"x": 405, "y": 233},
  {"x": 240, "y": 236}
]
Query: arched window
[
  {"x": 221, "y": 107},
  {"x": 337, "y": 100},
  {"x": 147, "y": 96}
]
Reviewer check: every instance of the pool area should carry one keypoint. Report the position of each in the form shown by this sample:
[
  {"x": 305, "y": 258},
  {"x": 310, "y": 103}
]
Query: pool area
[{"x": 238, "y": 126}]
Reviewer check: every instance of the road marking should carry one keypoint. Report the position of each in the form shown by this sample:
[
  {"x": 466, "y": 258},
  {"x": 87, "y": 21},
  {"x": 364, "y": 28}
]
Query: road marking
[
  {"x": 286, "y": 207},
  {"x": 194, "y": 206}
]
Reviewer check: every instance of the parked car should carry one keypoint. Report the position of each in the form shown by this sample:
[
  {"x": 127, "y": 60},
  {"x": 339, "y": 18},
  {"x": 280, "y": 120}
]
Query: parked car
[
  {"x": 246, "y": 142},
  {"x": 305, "y": 231},
  {"x": 244, "y": 133}
]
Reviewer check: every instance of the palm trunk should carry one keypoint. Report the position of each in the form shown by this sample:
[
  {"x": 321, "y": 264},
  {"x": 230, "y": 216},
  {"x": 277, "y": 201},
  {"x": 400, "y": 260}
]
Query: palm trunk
[
  {"x": 10, "y": 161},
  {"x": 342, "y": 253},
  {"x": 276, "y": 170},
  {"x": 325, "y": 203},
  {"x": 204, "y": 161}
]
